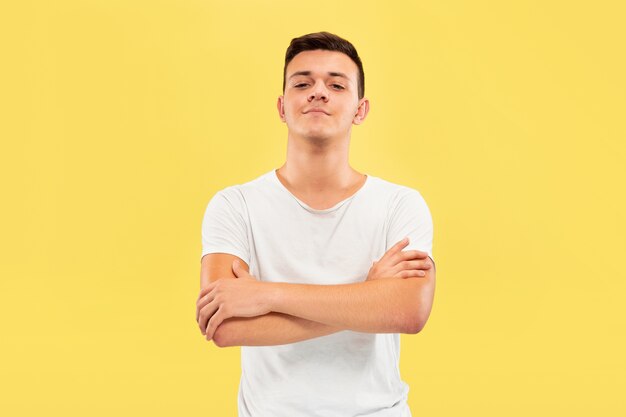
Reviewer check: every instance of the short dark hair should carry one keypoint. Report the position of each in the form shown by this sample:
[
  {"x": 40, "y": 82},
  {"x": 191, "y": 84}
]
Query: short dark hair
[{"x": 328, "y": 42}]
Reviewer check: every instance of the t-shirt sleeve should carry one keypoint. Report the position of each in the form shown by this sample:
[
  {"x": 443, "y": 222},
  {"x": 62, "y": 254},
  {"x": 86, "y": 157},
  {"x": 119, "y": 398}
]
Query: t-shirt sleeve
[
  {"x": 410, "y": 217},
  {"x": 224, "y": 229}
]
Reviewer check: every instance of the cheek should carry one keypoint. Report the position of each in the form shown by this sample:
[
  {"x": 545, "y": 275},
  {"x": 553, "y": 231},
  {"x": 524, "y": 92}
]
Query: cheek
[
  {"x": 289, "y": 112},
  {"x": 350, "y": 114},
  {"x": 288, "y": 107},
  {"x": 291, "y": 115}
]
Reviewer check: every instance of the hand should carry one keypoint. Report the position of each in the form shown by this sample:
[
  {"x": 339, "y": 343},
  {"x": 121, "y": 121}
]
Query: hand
[
  {"x": 243, "y": 296},
  {"x": 398, "y": 264}
]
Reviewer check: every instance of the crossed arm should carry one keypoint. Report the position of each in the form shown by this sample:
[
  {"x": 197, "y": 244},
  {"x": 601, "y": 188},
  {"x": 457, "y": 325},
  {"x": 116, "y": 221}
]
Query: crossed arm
[
  {"x": 242, "y": 311},
  {"x": 266, "y": 330}
]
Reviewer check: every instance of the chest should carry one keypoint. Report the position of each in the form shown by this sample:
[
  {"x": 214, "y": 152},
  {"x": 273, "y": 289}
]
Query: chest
[{"x": 290, "y": 244}]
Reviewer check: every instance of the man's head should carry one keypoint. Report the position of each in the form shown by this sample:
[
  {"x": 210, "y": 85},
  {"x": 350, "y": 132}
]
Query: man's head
[
  {"x": 322, "y": 88},
  {"x": 327, "y": 42}
]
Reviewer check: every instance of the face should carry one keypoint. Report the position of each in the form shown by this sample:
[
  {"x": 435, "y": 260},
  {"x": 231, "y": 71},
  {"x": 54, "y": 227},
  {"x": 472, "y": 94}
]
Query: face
[{"x": 321, "y": 99}]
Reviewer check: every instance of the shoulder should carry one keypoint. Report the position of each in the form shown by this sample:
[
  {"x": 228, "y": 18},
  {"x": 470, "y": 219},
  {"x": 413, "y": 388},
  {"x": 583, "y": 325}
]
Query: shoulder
[
  {"x": 236, "y": 194},
  {"x": 396, "y": 194}
]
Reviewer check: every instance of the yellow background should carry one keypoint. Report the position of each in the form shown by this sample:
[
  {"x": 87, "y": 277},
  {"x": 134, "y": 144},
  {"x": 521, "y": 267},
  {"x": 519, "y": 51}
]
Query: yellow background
[{"x": 120, "y": 119}]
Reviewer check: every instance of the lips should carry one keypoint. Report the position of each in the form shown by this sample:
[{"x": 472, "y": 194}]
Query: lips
[{"x": 317, "y": 110}]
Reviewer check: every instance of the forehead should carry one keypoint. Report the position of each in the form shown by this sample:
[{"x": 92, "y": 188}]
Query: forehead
[{"x": 323, "y": 62}]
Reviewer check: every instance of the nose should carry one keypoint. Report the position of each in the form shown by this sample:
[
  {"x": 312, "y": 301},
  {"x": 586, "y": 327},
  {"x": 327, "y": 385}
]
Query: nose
[{"x": 319, "y": 93}]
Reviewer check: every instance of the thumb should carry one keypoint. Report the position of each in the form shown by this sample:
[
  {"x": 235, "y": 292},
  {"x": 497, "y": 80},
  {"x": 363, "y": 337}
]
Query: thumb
[
  {"x": 239, "y": 271},
  {"x": 237, "y": 268}
]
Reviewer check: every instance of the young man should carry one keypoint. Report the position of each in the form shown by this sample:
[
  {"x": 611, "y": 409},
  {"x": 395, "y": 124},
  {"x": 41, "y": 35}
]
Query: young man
[{"x": 321, "y": 282}]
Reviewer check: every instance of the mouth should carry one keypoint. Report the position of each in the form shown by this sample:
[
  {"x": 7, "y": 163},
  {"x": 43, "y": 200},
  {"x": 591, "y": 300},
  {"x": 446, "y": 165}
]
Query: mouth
[{"x": 317, "y": 110}]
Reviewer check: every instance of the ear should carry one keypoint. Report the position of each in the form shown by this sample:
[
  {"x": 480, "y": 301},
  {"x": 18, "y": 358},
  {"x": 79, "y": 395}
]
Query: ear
[
  {"x": 361, "y": 111},
  {"x": 281, "y": 108}
]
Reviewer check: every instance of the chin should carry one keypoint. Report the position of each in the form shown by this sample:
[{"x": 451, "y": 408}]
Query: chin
[{"x": 317, "y": 137}]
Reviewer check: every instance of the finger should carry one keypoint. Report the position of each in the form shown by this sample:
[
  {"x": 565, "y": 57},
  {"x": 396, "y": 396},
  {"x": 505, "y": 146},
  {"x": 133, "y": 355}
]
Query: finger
[
  {"x": 421, "y": 264},
  {"x": 411, "y": 274},
  {"x": 203, "y": 302},
  {"x": 205, "y": 315},
  {"x": 236, "y": 268},
  {"x": 204, "y": 291},
  {"x": 395, "y": 249},
  {"x": 413, "y": 254},
  {"x": 240, "y": 271},
  {"x": 215, "y": 321},
  {"x": 410, "y": 266}
]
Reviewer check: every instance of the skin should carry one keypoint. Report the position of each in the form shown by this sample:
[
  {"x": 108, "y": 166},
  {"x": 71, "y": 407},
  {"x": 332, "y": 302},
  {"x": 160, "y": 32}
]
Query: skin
[
  {"x": 378, "y": 305},
  {"x": 319, "y": 105},
  {"x": 317, "y": 169}
]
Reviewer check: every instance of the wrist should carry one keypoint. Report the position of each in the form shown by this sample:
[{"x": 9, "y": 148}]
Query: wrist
[{"x": 274, "y": 295}]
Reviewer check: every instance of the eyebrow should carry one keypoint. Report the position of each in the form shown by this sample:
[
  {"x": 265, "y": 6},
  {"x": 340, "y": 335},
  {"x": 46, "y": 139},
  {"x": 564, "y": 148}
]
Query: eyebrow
[{"x": 307, "y": 73}]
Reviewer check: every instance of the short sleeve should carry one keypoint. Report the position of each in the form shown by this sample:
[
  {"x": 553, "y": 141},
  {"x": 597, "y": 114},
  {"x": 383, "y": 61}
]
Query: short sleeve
[
  {"x": 410, "y": 217},
  {"x": 224, "y": 229}
]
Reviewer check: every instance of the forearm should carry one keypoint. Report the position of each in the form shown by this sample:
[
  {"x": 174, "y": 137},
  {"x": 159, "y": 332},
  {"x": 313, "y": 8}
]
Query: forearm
[
  {"x": 269, "y": 330},
  {"x": 378, "y": 306}
]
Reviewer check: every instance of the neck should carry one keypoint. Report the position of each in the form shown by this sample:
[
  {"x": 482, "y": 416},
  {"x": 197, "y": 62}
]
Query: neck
[{"x": 318, "y": 165}]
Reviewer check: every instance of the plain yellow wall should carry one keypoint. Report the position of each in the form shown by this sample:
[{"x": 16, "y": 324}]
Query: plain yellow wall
[{"x": 120, "y": 120}]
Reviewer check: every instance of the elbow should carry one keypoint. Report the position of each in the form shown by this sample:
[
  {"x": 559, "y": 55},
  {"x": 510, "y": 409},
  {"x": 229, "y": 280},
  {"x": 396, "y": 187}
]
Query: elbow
[
  {"x": 220, "y": 337},
  {"x": 416, "y": 321},
  {"x": 420, "y": 305},
  {"x": 414, "y": 326}
]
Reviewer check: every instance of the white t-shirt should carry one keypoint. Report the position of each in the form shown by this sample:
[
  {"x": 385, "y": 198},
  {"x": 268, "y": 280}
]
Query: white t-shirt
[{"x": 282, "y": 239}]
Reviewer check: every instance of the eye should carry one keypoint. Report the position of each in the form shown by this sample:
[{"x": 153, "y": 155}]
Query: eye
[
  {"x": 338, "y": 86},
  {"x": 300, "y": 85}
]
